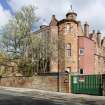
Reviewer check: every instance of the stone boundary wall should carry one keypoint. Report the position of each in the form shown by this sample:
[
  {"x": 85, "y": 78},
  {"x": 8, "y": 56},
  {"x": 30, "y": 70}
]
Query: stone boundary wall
[{"x": 49, "y": 82}]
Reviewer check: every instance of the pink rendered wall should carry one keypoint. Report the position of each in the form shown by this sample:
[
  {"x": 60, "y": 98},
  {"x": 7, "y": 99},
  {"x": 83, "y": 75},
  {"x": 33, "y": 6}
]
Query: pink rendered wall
[{"x": 86, "y": 61}]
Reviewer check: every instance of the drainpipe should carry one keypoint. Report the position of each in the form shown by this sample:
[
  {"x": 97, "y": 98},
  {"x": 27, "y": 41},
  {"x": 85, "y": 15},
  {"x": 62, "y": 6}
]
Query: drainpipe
[
  {"x": 69, "y": 77},
  {"x": 78, "y": 54},
  {"x": 58, "y": 79}
]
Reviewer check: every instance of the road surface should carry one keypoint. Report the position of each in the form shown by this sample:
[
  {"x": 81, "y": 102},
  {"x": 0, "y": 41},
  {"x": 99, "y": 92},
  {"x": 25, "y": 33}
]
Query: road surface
[{"x": 16, "y": 96}]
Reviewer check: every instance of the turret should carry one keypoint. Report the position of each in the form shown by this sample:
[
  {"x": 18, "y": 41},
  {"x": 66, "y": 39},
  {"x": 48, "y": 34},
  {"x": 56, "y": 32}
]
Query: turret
[
  {"x": 71, "y": 15},
  {"x": 54, "y": 21}
]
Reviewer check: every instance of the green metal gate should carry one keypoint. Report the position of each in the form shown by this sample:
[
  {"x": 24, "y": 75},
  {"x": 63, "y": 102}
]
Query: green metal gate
[{"x": 86, "y": 84}]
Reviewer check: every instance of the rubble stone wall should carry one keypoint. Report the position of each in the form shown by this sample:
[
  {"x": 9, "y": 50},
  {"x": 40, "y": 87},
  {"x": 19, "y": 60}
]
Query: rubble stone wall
[{"x": 49, "y": 83}]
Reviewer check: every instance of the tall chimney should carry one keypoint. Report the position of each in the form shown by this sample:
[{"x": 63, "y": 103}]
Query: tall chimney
[
  {"x": 99, "y": 37},
  {"x": 86, "y": 29}
]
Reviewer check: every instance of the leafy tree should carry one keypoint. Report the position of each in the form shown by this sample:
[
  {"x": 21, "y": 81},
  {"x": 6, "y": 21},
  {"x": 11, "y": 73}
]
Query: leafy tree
[
  {"x": 40, "y": 55},
  {"x": 34, "y": 52},
  {"x": 16, "y": 32}
]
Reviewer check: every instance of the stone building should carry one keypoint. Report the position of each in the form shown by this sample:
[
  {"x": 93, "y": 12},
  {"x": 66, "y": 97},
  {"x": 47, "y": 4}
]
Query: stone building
[
  {"x": 99, "y": 52},
  {"x": 78, "y": 50}
]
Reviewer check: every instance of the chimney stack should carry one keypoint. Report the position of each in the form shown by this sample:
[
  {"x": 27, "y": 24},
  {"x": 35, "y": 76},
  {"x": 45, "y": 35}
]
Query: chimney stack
[
  {"x": 86, "y": 29},
  {"x": 99, "y": 37}
]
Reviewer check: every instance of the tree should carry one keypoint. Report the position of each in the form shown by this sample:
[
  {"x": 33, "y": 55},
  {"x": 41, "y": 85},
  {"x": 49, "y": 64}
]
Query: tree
[
  {"x": 40, "y": 55},
  {"x": 16, "y": 32},
  {"x": 33, "y": 51}
]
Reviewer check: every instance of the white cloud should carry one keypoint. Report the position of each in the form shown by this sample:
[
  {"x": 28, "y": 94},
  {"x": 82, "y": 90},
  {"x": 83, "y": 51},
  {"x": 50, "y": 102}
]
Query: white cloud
[
  {"x": 45, "y": 8},
  {"x": 88, "y": 10},
  {"x": 17, "y": 4},
  {"x": 4, "y": 16},
  {"x": 94, "y": 14}
]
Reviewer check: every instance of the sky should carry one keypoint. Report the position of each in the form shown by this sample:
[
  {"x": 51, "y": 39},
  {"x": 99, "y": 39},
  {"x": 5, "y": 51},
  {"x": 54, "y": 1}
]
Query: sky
[{"x": 92, "y": 11}]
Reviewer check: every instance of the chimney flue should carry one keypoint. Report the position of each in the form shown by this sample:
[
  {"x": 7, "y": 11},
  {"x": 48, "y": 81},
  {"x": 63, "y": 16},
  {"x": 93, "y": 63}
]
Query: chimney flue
[{"x": 86, "y": 29}]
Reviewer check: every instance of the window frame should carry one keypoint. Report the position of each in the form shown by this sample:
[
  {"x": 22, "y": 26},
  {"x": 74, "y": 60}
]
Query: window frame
[
  {"x": 68, "y": 49},
  {"x": 68, "y": 27},
  {"x": 83, "y": 49},
  {"x": 82, "y": 71}
]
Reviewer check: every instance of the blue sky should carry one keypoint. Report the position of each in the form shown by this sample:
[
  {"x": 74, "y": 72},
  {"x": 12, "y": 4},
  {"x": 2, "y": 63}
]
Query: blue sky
[
  {"x": 92, "y": 11},
  {"x": 6, "y": 5}
]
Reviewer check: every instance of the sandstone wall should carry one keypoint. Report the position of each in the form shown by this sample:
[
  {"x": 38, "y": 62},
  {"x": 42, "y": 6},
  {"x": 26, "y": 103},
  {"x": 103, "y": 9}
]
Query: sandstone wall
[{"x": 49, "y": 83}]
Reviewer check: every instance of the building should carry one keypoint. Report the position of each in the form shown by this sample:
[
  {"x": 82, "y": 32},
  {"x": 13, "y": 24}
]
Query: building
[{"x": 78, "y": 50}]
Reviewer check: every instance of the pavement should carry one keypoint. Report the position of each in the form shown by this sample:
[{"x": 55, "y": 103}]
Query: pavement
[{"x": 24, "y": 96}]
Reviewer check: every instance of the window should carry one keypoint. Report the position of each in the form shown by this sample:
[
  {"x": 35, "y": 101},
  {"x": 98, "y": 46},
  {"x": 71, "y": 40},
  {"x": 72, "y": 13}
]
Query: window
[
  {"x": 95, "y": 50},
  {"x": 81, "y": 51},
  {"x": 68, "y": 50},
  {"x": 68, "y": 28},
  {"x": 99, "y": 59},
  {"x": 104, "y": 60},
  {"x": 81, "y": 71}
]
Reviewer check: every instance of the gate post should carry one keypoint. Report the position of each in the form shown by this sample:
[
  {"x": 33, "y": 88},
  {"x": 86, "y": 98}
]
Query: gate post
[
  {"x": 103, "y": 85},
  {"x": 69, "y": 77}
]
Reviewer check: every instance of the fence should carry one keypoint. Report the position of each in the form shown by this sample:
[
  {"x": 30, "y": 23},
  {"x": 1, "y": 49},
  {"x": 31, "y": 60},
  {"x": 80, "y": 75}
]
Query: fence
[{"x": 87, "y": 84}]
